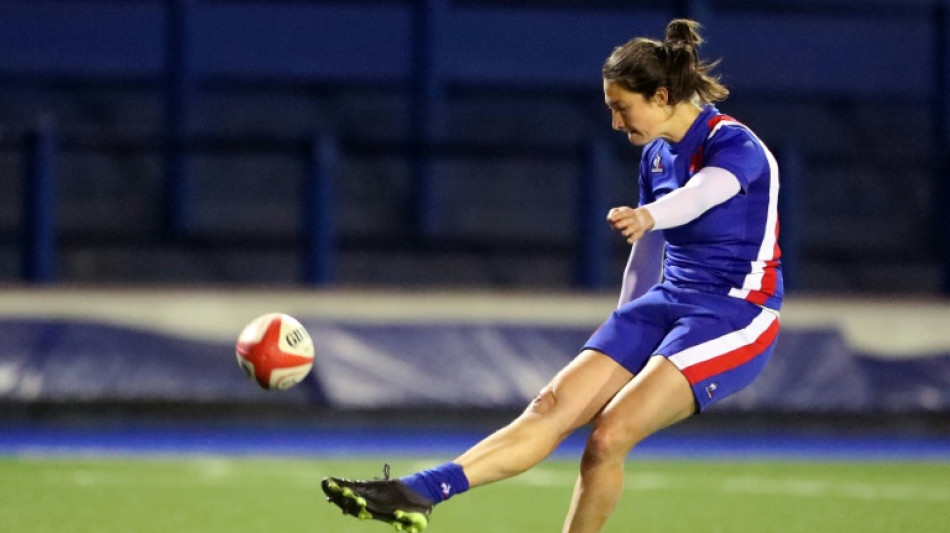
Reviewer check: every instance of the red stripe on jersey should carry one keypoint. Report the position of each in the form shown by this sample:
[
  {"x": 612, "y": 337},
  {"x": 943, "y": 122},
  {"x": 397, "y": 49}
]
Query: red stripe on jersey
[
  {"x": 733, "y": 359},
  {"x": 778, "y": 252},
  {"x": 757, "y": 297},
  {"x": 696, "y": 161},
  {"x": 770, "y": 275},
  {"x": 719, "y": 118}
]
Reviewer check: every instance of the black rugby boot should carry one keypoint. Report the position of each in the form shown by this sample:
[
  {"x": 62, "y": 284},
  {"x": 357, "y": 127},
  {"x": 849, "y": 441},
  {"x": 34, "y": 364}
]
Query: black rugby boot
[{"x": 386, "y": 500}]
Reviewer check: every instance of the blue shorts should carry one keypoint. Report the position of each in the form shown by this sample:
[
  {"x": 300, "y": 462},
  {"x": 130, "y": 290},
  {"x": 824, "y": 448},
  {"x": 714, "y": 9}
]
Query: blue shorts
[{"x": 718, "y": 342}]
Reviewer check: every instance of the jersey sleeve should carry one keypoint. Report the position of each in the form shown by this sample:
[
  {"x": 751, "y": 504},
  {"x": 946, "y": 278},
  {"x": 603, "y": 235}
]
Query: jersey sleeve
[{"x": 738, "y": 151}]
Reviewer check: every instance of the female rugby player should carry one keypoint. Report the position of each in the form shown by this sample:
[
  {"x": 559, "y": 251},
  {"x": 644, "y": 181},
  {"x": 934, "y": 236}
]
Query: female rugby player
[{"x": 708, "y": 196}]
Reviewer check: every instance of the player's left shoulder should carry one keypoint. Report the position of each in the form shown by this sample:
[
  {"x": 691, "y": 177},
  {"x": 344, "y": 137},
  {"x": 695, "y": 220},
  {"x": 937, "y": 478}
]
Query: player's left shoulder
[
  {"x": 732, "y": 145},
  {"x": 727, "y": 134},
  {"x": 724, "y": 127}
]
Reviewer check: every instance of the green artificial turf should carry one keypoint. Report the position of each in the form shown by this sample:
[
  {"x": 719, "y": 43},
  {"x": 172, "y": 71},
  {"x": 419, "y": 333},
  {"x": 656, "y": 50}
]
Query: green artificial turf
[{"x": 236, "y": 494}]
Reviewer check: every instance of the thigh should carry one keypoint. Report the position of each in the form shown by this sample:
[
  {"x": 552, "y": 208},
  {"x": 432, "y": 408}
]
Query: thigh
[
  {"x": 581, "y": 389},
  {"x": 658, "y": 397}
]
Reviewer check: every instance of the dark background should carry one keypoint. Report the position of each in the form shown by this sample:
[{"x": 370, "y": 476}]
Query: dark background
[{"x": 436, "y": 142}]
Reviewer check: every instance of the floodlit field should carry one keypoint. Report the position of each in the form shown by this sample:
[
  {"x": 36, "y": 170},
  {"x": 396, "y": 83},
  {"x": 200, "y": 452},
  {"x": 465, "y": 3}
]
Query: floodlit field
[{"x": 229, "y": 494}]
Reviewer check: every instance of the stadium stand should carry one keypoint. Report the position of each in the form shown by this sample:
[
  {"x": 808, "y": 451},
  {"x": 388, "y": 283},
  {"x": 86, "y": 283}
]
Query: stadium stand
[{"x": 184, "y": 129}]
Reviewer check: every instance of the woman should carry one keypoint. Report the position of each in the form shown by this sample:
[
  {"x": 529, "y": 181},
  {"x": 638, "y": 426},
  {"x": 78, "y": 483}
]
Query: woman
[{"x": 709, "y": 191}]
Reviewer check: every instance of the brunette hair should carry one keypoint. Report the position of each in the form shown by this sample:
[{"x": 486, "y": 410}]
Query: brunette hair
[{"x": 644, "y": 65}]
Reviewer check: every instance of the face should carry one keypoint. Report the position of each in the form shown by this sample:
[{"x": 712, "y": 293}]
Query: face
[{"x": 640, "y": 118}]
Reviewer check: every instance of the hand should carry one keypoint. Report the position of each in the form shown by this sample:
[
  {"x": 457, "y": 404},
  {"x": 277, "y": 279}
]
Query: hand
[{"x": 630, "y": 222}]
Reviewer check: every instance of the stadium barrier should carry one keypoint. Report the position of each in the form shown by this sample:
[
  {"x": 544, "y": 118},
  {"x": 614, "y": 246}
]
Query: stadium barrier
[{"x": 438, "y": 350}]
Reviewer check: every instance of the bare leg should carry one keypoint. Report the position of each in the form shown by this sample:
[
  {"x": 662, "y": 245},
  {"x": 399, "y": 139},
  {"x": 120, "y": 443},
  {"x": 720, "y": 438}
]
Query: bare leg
[
  {"x": 657, "y": 397},
  {"x": 570, "y": 400}
]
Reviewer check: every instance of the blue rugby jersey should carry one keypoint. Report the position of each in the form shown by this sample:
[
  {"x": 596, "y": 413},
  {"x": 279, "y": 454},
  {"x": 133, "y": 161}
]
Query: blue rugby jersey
[{"x": 732, "y": 248}]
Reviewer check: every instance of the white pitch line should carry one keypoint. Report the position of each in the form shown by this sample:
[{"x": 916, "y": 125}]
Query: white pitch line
[
  {"x": 825, "y": 489},
  {"x": 801, "y": 487},
  {"x": 638, "y": 481},
  {"x": 204, "y": 472},
  {"x": 216, "y": 472}
]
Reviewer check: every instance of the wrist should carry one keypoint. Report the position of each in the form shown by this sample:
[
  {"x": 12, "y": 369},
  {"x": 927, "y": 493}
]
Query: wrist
[{"x": 647, "y": 222}]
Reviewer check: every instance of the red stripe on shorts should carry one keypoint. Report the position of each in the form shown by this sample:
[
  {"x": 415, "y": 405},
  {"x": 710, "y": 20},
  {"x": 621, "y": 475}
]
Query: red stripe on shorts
[{"x": 729, "y": 360}]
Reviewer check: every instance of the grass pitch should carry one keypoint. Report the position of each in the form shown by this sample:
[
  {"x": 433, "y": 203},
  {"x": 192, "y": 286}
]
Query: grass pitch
[{"x": 235, "y": 494}]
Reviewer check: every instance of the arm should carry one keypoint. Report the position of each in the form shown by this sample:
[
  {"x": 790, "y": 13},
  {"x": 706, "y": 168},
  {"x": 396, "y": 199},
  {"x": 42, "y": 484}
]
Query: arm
[
  {"x": 643, "y": 267},
  {"x": 710, "y": 187}
]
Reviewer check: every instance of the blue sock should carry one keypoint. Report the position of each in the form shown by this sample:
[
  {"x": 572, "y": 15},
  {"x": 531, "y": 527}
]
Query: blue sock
[{"x": 438, "y": 484}]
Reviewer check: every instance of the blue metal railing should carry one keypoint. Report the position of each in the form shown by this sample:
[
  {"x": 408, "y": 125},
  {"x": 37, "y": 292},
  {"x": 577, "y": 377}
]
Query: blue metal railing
[
  {"x": 324, "y": 156},
  {"x": 319, "y": 213},
  {"x": 593, "y": 236},
  {"x": 38, "y": 256},
  {"x": 177, "y": 90}
]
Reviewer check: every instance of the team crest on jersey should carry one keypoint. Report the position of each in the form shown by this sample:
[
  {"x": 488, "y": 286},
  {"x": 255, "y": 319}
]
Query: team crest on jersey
[{"x": 657, "y": 166}]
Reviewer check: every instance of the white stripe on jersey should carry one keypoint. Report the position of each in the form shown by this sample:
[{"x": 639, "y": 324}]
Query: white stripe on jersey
[
  {"x": 729, "y": 342},
  {"x": 753, "y": 280}
]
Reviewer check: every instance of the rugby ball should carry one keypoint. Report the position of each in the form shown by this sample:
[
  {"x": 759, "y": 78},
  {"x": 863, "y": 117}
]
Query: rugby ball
[{"x": 275, "y": 350}]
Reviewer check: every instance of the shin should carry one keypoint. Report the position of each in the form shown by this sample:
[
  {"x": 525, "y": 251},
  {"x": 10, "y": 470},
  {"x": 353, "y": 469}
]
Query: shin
[
  {"x": 571, "y": 400},
  {"x": 658, "y": 397},
  {"x": 520, "y": 445}
]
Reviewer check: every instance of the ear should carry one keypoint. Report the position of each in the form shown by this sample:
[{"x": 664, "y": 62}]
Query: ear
[{"x": 661, "y": 97}]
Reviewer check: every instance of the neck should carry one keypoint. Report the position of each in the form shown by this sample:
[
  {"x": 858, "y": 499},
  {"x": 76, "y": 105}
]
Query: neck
[{"x": 681, "y": 118}]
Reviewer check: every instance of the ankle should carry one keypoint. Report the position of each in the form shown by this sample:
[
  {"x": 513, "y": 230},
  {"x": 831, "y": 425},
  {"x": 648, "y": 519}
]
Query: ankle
[{"x": 438, "y": 484}]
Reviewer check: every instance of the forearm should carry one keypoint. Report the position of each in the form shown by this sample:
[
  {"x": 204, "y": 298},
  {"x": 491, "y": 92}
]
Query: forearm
[{"x": 643, "y": 267}]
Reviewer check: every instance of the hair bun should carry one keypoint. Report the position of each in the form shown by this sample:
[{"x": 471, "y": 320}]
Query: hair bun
[
  {"x": 644, "y": 65},
  {"x": 683, "y": 31}
]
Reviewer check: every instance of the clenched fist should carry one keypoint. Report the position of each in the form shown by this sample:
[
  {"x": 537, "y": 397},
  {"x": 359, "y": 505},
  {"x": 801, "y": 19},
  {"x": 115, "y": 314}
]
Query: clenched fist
[{"x": 631, "y": 223}]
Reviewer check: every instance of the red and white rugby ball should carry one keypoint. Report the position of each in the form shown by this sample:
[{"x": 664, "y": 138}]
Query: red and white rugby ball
[{"x": 275, "y": 351}]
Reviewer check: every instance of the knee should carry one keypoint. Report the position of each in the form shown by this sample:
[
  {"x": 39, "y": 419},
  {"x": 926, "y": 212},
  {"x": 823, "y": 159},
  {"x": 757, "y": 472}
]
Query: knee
[
  {"x": 608, "y": 443},
  {"x": 544, "y": 403},
  {"x": 550, "y": 411}
]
